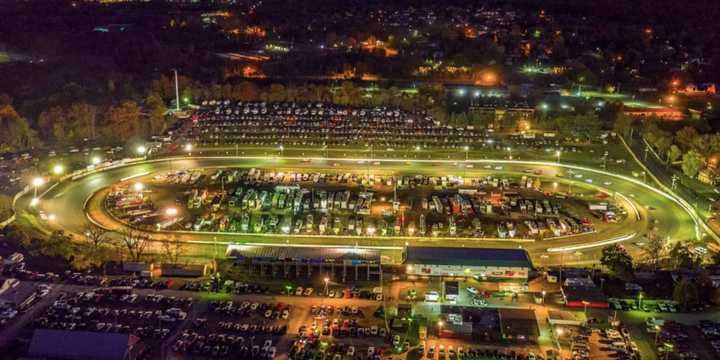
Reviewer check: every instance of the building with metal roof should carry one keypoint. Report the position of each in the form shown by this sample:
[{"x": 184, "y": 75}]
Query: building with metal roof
[
  {"x": 503, "y": 265},
  {"x": 81, "y": 345},
  {"x": 305, "y": 262}
]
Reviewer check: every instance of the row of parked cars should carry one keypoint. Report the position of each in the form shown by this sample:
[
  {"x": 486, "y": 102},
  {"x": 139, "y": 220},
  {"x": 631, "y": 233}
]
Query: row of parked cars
[
  {"x": 646, "y": 306},
  {"x": 461, "y": 353},
  {"x": 224, "y": 346},
  {"x": 309, "y": 348},
  {"x": 247, "y": 308},
  {"x": 115, "y": 310},
  {"x": 262, "y": 123}
]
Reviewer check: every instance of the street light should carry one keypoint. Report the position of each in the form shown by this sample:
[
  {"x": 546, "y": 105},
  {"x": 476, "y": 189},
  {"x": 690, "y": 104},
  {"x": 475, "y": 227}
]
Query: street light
[
  {"x": 34, "y": 201},
  {"x": 408, "y": 268},
  {"x": 188, "y": 148},
  {"x": 37, "y": 182},
  {"x": 281, "y": 148},
  {"x": 543, "y": 296},
  {"x": 58, "y": 169},
  {"x": 558, "y": 333},
  {"x": 509, "y": 150},
  {"x": 95, "y": 160},
  {"x": 557, "y": 153},
  {"x": 138, "y": 186},
  {"x": 51, "y": 217},
  {"x": 171, "y": 211},
  {"x": 326, "y": 280},
  {"x": 141, "y": 150},
  {"x": 467, "y": 149}
]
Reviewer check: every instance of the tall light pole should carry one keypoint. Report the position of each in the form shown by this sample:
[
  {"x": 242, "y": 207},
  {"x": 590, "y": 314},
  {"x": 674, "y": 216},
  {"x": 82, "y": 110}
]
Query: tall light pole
[
  {"x": 326, "y": 280},
  {"x": 37, "y": 182},
  {"x": 557, "y": 153},
  {"x": 467, "y": 149},
  {"x": 558, "y": 333},
  {"x": 177, "y": 91},
  {"x": 543, "y": 296}
]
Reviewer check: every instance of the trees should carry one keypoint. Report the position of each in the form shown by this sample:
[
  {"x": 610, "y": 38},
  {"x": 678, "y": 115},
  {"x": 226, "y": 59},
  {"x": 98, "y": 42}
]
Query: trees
[
  {"x": 618, "y": 261},
  {"x": 124, "y": 120},
  {"x": 624, "y": 125},
  {"x": 681, "y": 258},
  {"x": 5, "y": 207},
  {"x": 135, "y": 243},
  {"x": 15, "y": 131},
  {"x": 583, "y": 125},
  {"x": 246, "y": 91},
  {"x": 48, "y": 120},
  {"x": 685, "y": 136},
  {"x": 83, "y": 118},
  {"x": 96, "y": 237},
  {"x": 686, "y": 293},
  {"x": 348, "y": 94},
  {"x": 276, "y": 93},
  {"x": 692, "y": 163},
  {"x": 674, "y": 153},
  {"x": 655, "y": 248},
  {"x": 172, "y": 250},
  {"x": 155, "y": 109},
  {"x": 94, "y": 251}
]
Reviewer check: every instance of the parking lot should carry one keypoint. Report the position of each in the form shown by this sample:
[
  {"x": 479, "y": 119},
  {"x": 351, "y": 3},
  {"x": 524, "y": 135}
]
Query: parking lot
[
  {"x": 267, "y": 201},
  {"x": 320, "y": 124}
]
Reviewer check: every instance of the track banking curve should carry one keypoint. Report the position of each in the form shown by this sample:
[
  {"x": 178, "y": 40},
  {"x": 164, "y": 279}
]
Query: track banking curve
[{"x": 67, "y": 201}]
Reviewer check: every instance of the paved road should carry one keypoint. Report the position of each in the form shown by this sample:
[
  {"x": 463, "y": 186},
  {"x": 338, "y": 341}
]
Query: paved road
[{"x": 66, "y": 201}]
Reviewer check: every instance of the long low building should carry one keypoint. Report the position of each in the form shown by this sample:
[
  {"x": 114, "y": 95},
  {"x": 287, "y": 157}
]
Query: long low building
[
  {"x": 502, "y": 265},
  {"x": 338, "y": 263}
]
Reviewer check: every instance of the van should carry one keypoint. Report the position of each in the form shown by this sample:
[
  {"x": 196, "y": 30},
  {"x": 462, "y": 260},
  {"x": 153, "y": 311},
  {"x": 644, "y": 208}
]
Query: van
[{"x": 432, "y": 296}]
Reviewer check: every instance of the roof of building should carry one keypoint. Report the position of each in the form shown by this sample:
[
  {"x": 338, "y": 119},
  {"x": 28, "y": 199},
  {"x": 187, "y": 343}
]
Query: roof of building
[
  {"x": 85, "y": 345},
  {"x": 467, "y": 256},
  {"x": 306, "y": 254},
  {"x": 591, "y": 294}
]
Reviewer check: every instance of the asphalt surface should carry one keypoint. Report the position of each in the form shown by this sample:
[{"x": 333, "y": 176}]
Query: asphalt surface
[{"x": 66, "y": 201}]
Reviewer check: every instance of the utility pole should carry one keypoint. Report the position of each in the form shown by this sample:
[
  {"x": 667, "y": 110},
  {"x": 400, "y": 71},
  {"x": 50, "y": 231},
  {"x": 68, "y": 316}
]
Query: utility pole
[{"x": 177, "y": 91}]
